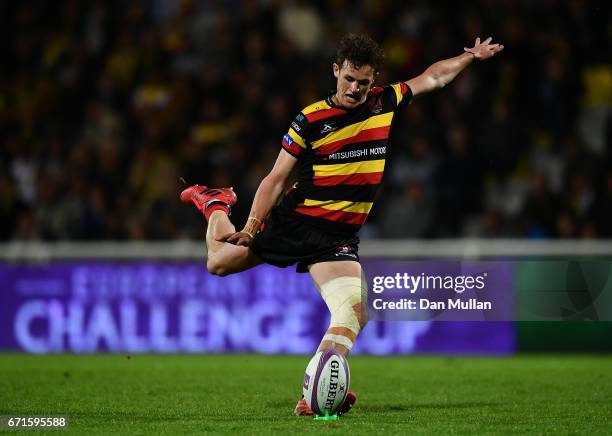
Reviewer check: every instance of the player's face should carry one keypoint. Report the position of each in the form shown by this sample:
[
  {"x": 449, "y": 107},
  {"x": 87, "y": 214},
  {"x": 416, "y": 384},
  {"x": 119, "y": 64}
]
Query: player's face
[{"x": 353, "y": 84}]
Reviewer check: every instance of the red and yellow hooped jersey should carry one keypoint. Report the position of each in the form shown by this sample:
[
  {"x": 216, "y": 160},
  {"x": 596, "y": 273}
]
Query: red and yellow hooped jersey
[{"x": 342, "y": 156}]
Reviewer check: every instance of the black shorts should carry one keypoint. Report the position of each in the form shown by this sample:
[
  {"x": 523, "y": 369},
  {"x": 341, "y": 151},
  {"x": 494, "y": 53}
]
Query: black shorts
[{"x": 286, "y": 239}]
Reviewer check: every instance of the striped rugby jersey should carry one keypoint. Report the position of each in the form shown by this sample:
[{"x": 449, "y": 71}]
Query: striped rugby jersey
[{"x": 341, "y": 158}]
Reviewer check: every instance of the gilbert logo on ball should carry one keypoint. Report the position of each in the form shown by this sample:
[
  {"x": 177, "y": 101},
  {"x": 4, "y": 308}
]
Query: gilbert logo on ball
[{"x": 326, "y": 382}]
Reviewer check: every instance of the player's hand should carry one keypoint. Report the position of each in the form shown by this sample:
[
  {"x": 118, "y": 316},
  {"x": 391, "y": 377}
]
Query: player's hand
[
  {"x": 484, "y": 50},
  {"x": 239, "y": 238}
]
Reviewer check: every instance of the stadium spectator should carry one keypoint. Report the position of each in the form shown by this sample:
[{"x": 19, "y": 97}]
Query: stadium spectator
[{"x": 171, "y": 77}]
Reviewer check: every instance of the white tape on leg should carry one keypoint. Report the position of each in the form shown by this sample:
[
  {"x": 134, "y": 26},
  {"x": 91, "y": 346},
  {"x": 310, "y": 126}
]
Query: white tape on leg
[
  {"x": 341, "y": 295},
  {"x": 339, "y": 339}
]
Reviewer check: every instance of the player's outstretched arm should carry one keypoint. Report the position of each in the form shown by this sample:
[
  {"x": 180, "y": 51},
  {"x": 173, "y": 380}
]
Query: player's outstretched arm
[
  {"x": 269, "y": 189},
  {"x": 443, "y": 72}
]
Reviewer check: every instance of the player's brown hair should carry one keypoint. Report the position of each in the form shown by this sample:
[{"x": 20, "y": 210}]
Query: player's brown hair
[{"x": 359, "y": 50}]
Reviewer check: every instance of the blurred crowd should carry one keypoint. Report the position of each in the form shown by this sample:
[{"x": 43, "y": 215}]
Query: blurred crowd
[{"x": 105, "y": 104}]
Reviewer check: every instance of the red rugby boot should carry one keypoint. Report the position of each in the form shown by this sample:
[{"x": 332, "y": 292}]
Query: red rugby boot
[
  {"x": 207, "y": 200},
  {"x": 302, "y": 409},
  {"x": 345, "y": 407}
]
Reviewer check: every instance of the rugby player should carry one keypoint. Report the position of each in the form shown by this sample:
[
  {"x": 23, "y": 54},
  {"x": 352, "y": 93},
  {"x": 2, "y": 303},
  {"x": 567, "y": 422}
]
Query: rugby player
[{"x": 338, "y": 145}]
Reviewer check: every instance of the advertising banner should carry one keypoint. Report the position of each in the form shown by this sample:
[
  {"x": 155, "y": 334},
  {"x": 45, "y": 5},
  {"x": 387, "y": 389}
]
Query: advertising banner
[{"x": 154, "y": 307}]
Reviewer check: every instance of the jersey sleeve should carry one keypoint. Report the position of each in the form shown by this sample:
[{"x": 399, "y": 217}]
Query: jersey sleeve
[
  {"x": 294, "y": 141},
  {"x": 400, "y": 94}
]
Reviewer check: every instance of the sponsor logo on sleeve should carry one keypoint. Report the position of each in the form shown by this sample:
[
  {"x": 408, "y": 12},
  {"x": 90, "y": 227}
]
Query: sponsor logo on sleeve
[{"x": 291, "y": 145}]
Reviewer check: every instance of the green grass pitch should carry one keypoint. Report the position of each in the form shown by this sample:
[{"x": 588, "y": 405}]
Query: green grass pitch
[{"x": 250, "y": 394}]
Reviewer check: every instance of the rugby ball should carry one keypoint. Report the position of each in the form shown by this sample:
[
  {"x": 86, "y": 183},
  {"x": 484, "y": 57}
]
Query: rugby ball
[{"x": 326, "y": 382}]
